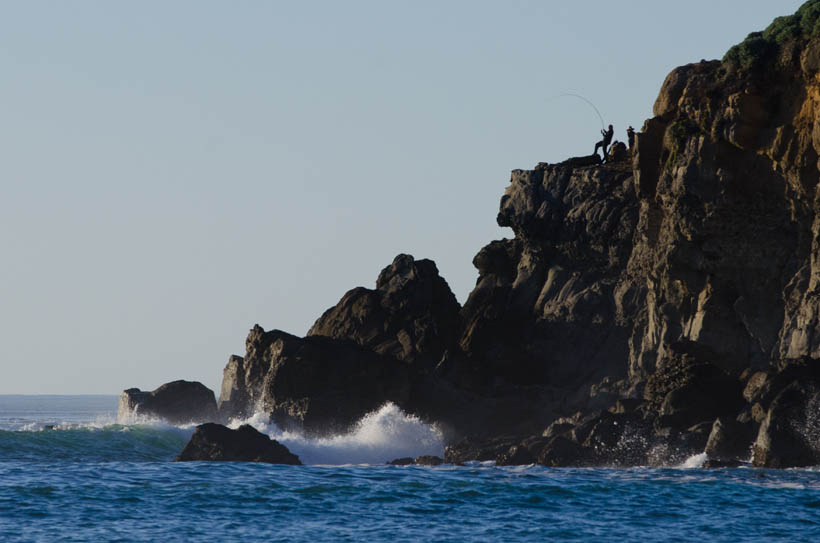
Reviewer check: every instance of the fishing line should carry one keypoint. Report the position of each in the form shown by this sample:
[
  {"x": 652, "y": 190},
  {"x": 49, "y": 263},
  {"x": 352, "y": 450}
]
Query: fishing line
[{"x": 603, "y": 127}]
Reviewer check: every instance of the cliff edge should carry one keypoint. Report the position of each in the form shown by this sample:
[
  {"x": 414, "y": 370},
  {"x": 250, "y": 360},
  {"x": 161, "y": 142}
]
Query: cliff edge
[{"x": 658, "y": 305}]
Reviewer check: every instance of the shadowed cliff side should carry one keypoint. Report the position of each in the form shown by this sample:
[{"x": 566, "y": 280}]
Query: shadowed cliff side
[{"x": 649, "y": 308}]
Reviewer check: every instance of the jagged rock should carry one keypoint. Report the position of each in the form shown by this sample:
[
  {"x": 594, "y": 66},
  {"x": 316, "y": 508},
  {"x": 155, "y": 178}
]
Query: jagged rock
[
  {"x": 730, "y": 439},
  {"x": 758, "y": 413},
  {"x": 178, "y": 402},
  {"x": 559, "y": 427},
  {"x": 790, "y": 434},
  {"x": 561, "y": 451},
  {"x": 626, "y": 405},
  {"x": 470, "y": 449},
  {"x": 403, "y": 461},
  {"x": 575, "y": 162},
  {"x": 755, "y": 385},
  {"x": 803, "y": 370},
  {"x": 523, "y": 454},
  {"x": 670, "y": 446},
  {"x": 214, "y": 442},
  {"x": 696, "y": 437},
  {"x": 685, "y": 285},
  {"x": 412, "y": 315},
  {"x": 319, "y": 384},
  {"x": 617, "y": 153},
  {"x": 234, "y": 400},
  {"x": 546, "y": 312},
  {"x": 426, "y": 460},
  {"x": 685, "y": 392},
  {"x": 517, "y": 455}
]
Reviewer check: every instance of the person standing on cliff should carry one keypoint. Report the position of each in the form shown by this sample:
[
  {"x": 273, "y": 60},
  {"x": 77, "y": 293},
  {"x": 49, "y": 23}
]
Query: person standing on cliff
[
  {"x": 604, "y": 143},
  {"x": 630, "y": 136}
]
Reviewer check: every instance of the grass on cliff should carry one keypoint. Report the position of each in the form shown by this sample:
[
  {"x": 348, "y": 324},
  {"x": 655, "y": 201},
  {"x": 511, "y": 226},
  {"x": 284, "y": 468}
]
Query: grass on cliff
[
  {"x": 760, "y": 46},
  {"x": 679, "y": 132}
]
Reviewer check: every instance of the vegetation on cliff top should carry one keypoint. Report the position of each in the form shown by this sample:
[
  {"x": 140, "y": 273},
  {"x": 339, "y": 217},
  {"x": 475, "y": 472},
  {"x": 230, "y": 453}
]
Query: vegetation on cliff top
[{"x": 759, "y": 46}]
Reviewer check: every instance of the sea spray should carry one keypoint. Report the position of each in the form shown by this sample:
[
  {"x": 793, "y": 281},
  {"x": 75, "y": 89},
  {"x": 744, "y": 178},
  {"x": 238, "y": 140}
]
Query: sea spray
[
  {"x": 694, "y": 461},
  {"x": 81, "y": 483},
  {"x": 378, "y": 437}
]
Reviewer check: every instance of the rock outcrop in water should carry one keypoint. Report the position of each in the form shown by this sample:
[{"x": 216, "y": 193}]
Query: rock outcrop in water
[
  {"x": 178, "y": 402},
  {"x": 320, "y": 384},
  {"x": 214, "y": 442},
  {"x": 647, "y": 309}
]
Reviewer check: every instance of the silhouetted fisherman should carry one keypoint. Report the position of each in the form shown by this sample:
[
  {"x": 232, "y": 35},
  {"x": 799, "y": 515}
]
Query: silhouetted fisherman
[
  {"x": 630, "y": 136},
  {"x": 604, "y": 143}
]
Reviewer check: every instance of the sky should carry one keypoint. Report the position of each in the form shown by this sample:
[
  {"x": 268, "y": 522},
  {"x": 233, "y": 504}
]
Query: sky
[{"x": 172, "y": 173}]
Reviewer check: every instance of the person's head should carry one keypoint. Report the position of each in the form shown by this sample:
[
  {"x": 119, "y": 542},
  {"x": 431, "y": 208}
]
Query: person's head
[{"x": 610, "y": 127}]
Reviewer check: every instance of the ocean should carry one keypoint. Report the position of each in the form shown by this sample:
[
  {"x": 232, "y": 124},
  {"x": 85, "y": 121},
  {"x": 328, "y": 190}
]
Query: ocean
[{"x": 70, "y": 472}]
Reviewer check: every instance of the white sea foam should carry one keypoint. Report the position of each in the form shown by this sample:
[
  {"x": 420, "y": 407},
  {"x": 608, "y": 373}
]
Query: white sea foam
[
  {"x": 379, "y": 437},
  {"x": 694, "y": 461}
]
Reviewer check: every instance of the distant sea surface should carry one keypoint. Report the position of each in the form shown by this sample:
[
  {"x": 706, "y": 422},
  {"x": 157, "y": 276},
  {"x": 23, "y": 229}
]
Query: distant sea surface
[{"x": 69, "y": 472}]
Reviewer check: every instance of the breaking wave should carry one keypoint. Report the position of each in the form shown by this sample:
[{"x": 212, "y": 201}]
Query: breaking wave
[{"x": 378, "y": 437}]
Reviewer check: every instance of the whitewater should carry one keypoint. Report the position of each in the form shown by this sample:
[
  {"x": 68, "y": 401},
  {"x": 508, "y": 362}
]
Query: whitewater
[{"x": 69, "y": 471}]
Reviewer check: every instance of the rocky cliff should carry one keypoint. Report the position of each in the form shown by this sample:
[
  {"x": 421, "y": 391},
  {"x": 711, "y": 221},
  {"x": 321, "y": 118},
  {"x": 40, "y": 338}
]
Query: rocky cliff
[{"x": 660, "y": 304}]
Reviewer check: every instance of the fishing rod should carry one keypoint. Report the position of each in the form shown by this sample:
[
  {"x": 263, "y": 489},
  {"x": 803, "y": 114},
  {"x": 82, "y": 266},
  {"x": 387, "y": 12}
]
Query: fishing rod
[{"x": 588, "y": 102}]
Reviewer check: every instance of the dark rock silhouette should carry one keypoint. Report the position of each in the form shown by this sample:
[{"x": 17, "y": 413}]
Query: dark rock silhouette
[
  {"x": 411, "y": 315},
  {"x": 420, "y": 461},
  {"x": 214, "y": 442},
  {"x": 730, "y": 440},
  {"x": 178, "y": 402},
  {"x": 618, "y": 152},
  {"x": 647, "y": 308},
  {"x": 318, "y": 384},
  {"x": 789, "y": 436}
]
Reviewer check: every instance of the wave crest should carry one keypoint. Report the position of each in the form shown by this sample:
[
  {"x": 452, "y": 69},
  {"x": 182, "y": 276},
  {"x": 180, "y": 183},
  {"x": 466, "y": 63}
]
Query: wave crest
[{"x": 380, "y": 436}]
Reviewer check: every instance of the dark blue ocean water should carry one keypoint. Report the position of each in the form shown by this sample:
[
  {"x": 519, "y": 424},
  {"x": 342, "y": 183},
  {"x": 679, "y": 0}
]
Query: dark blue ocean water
[{"x": 90, "y": 479}]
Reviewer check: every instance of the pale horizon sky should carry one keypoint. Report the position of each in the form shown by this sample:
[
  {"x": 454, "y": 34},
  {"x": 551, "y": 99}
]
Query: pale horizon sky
[{"x": 175, "y": 172}]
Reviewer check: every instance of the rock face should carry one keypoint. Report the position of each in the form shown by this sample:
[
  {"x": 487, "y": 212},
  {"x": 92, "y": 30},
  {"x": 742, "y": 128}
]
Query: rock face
[
  {"x": 789, "y": 433},
  {"x": 319, "y": 384},
  {"x": 420, "y": 461},
  {"x": 178, "y": 402},
  {"x": 646, "y": 308},
  {"x": 214, "y": 442},
  {"x": 411, "y": 315}
]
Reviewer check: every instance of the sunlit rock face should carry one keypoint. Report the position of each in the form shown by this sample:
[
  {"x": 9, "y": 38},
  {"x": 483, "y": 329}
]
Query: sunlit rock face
[{"x": 647, "y": 308}]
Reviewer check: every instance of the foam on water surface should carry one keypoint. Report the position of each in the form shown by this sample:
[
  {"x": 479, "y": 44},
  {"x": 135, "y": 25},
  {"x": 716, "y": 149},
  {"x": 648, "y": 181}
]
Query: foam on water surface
[
  {"x": 379, "y": 437},
  {"x": 83, "y": 482}
]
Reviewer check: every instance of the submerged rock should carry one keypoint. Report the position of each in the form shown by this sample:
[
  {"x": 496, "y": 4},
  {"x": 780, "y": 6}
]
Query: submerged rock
[
  {"x": 178, "y": 402},
  {"x": 403, "y": 461},
  {"x": 214, "y": 442},
  {"x": 470, "y": 449},
  {"x": 425, "y": 460},
  {"x": 523, "y": 454}
]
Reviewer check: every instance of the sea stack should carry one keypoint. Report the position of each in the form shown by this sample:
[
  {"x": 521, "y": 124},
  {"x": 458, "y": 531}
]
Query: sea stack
[{"x": 177, "y": 402}]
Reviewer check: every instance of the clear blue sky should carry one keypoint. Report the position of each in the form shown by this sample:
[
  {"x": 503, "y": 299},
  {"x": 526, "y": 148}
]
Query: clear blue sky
[{"x": 175, "y": 172}]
